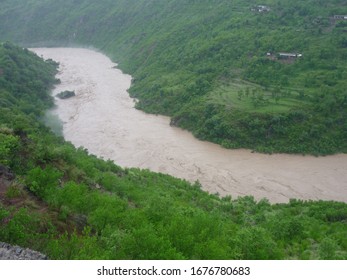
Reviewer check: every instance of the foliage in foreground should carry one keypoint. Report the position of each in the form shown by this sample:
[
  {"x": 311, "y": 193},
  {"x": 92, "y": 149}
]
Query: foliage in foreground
[{"x": 71, "y": 205}]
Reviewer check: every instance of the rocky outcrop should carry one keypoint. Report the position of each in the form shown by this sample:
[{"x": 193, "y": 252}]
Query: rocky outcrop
[
  {"x": 66, "y": 94},
  {"x": 9, "y": 252},
  {"x": 6, "y": 173},
  {"x": 6, "y": 178}
]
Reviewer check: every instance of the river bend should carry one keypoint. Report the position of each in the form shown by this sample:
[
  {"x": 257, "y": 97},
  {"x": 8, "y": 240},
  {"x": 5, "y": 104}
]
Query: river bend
[{"x": 102, "y": 119}]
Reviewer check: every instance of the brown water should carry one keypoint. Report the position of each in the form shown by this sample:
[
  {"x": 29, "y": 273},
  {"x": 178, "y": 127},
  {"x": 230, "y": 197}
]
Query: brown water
[{"x": 102, "y": 119}]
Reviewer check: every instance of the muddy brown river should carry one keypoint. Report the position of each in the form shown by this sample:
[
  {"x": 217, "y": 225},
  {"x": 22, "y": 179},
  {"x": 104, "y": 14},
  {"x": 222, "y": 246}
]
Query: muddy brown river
[{"x": 101, "y": 118}]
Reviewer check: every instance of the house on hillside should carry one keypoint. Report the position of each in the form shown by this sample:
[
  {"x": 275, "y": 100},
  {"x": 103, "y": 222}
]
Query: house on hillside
[
  {"x": 261, "y": 9},
  {"x": 340, "y": 17},
  {"x": 285, "y": 55}
]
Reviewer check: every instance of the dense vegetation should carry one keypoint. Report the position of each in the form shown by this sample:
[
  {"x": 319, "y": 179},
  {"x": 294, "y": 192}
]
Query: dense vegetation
[
  {"x": 205, "y": 63},
  {"x": 70, "y": 205}
]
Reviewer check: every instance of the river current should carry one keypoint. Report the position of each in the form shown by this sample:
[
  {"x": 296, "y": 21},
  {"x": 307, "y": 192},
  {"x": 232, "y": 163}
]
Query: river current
[{"x": 102, "y": 118}]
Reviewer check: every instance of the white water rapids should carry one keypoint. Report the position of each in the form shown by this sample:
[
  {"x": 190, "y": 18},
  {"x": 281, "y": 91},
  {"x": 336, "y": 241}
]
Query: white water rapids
[{"x": 102, "y": 119}]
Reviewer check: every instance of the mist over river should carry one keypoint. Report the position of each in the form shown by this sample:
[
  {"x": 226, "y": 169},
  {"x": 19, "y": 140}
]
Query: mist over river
[{"x": 101, "y": 118}]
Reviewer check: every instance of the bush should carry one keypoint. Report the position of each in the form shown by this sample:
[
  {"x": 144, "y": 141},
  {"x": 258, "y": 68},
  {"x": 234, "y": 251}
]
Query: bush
[{"x": 41, "y": 181}]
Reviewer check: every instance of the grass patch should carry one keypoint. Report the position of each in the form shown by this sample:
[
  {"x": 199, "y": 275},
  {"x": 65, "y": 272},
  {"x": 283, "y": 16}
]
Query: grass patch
[{"x": 251, "y": 97}]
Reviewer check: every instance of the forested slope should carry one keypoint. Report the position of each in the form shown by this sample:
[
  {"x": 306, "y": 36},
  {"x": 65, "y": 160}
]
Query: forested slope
[
  {"x": 61, "y": 201},
  {"x": 214, "y": 66}
]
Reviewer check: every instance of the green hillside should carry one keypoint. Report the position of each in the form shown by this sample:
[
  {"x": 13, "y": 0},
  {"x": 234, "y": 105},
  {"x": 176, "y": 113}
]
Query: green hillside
[
  {"x": 214, "y": 66},
  {"x": 61, "y": 201}
]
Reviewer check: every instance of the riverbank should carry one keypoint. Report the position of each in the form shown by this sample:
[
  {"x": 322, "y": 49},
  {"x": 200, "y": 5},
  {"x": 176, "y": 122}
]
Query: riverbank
[
  {"x": 102, "y": 119},
  {"x": 68, "y": 204}
]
